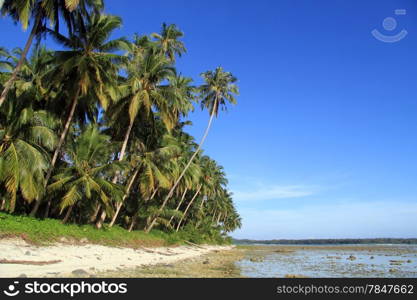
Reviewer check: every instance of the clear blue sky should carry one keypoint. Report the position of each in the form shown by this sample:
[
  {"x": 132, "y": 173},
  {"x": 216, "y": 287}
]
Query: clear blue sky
[{"x": 323, "y": 142}]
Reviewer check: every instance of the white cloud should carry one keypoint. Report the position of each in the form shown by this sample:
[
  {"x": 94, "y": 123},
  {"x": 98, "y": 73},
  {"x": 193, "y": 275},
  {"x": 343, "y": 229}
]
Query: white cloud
[{"x": 275, "y": 192}]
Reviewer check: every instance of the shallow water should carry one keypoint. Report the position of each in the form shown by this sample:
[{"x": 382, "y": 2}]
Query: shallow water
[{"x": 332, "y": 261}]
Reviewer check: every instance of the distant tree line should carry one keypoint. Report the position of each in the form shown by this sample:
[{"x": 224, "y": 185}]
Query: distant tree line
[{"x": 327, "y": 241}]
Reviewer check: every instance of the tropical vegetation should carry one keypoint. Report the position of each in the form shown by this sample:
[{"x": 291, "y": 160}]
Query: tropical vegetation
[{"x": 93, "y": 133}]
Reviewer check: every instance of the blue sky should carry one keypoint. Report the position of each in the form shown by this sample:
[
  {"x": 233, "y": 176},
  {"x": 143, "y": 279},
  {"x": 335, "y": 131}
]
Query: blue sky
[{"x": 323, "y": 141}]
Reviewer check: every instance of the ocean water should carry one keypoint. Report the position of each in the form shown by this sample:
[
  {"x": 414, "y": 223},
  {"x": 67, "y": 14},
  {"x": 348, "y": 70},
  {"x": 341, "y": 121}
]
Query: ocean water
[{"x": 345, "y": 261}]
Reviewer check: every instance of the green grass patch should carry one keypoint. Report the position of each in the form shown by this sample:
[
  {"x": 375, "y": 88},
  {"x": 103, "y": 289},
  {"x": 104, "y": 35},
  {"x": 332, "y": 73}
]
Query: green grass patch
[{"x": 47, "y": 231}]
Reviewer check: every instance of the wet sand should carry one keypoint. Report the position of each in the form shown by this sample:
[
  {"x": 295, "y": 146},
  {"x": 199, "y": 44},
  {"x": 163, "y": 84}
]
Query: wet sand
[{"x": 216, "y": 264}]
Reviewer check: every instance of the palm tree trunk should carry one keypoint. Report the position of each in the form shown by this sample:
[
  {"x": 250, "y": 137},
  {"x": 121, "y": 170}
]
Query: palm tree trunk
[
  {"x": 188, "y": 206},
  {"x": 153, "y": 194},
  {"x": 218, "y": 218},
  {"x": 214, "y": 214},
  {"x": 178, "y": 206},
  {"x": 94, "y": 215},
  {"x": 9, "y": 83},
  {"x": 100, "y": 221},
  {"x": 119, "y": 205},
  {"x": 213, "y": 112},
  {"x": 132, "y": 224},
  {"x": 67, "y": 215},
  {"x": 56, "y": 153}
]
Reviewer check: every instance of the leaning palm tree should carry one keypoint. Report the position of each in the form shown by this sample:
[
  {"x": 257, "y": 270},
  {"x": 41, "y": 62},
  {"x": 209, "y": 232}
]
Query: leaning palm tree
[
  {"x": 41, "y": 11},
  {"x": 89, "y": 70},
  {"x": 219, "y": 88},
  {"x": 88, "y": 159}
]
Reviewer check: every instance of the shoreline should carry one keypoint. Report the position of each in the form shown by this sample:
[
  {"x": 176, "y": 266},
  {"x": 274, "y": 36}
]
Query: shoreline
[
  {"x": 20, "y": 259},
  {"x": 215, "y": 264}
]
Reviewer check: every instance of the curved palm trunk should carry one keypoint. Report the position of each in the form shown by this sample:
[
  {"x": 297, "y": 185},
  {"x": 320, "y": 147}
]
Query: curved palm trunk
[
  {"x": 186, "y": 167},
  {"x": 188, "y": 207},
  {"x": 178, "y": 206},
  {"x": 67, "y": 215},
  {"x": 9, "y": 83},
  {"x": 103, "y": 215},
  {"x": 56, "y": 153},
  {"x": 120, "y": 204}
]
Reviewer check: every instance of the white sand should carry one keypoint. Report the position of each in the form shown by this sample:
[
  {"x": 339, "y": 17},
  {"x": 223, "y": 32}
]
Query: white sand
[{"x": 90, "y": 258}]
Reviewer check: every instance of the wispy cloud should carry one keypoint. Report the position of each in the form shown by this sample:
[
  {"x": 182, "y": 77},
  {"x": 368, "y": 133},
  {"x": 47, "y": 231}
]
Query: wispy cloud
[{"x": 270, "y": 192}]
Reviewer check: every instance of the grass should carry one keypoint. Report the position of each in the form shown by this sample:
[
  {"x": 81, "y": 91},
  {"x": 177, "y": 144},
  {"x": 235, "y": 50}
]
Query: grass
[{"x": 47, "y": 231}]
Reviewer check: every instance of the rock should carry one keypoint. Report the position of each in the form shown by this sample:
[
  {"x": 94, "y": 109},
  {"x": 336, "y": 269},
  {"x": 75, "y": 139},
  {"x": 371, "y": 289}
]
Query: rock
[
  {"x": 84, "y": 241},
  {"x": 27, "y": 253},
  {"x": 169, "y": 266},
  {"x": 409, "y": 261},
  {"x": 129, "y": 258},
  {"x": 23, "y": 275},
  {"x": 80, "y": 272},
  {"x": 371, "y": 257},
  {"x": 351, "y": 257},
  {"x": 256, "y": 259},
  {"x": 393, "y": 270},
  {"x": 206, "y": 262}
]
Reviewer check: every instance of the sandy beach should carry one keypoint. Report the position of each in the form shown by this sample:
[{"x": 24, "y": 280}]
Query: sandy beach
[{"x": 20, "y": 259}]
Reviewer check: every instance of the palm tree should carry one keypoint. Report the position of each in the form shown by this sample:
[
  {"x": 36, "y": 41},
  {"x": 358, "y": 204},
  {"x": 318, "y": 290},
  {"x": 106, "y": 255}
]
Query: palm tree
[
  {"x": 26, "y": 135},
  {"x": 168, "y": 41},
  {"x": 89, "y": 157},
  {"x": 39, "y": 11},
  {"x": 142, "y": 92},
  {"x": 219, "y": 88},
  {"x": 150, "y": 164},
  {"x": 89, "y": 69}
]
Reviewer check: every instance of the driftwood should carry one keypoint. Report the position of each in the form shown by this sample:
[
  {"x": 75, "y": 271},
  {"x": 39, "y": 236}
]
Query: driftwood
[
  {"x": 29, "y": 262},
  {"x": 195, "y": 245}
]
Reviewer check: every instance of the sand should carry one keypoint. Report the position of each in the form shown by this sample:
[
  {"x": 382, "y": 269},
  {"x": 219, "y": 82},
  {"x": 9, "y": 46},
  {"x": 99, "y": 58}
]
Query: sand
[{"x": 89, "y": 259}]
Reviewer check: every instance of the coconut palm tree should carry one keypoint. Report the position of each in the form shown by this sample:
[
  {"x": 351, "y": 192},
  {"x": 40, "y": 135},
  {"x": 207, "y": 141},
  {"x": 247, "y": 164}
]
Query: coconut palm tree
[
  {"x": 141, "y": 92},
  {"x": 41, "y": 11},
  {"x": 88, "y": 158},
  {"x": 26, "y": 136},
  {"x": 218, "y": 89},
  {"x": 89, "y": 68},
  {"x": 150, "y": 164},
  {"x": 168, "y": 41}
]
